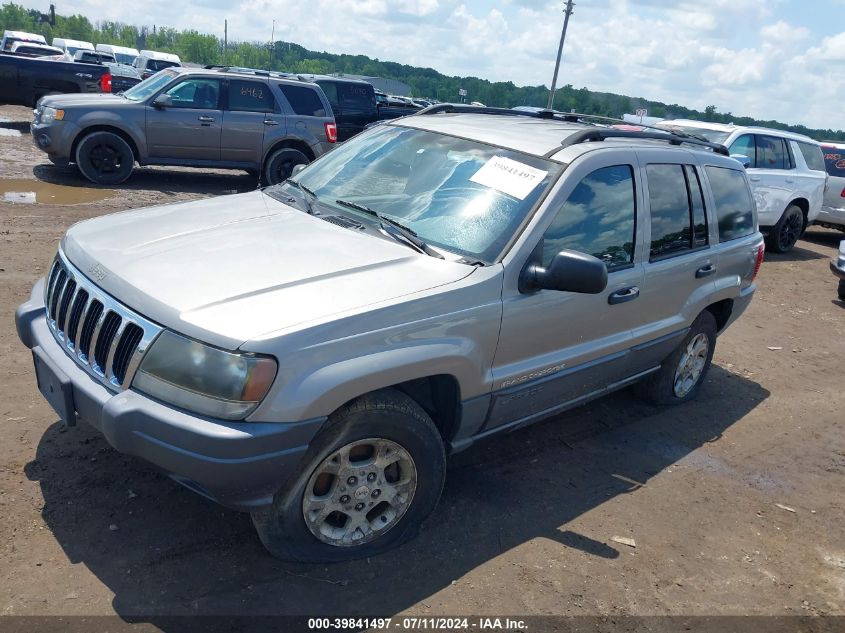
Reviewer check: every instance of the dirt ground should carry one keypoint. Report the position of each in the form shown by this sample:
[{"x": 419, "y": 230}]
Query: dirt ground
[{"x": 735, "y": 501}]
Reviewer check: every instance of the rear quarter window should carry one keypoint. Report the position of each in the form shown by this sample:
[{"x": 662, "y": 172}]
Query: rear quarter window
[
  {"x": 734, "y": 204},
  {"x": 834, "y": 161},
  {"x": 304, "y": 101},
  {"x": 812, "y": 155}
]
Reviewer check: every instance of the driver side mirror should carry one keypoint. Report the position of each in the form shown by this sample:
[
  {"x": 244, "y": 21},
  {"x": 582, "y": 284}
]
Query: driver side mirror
[
  {"x": 162, "y": 101},
  {"x": 742, "y": 158},
  {"x": 569, "y": 271}
]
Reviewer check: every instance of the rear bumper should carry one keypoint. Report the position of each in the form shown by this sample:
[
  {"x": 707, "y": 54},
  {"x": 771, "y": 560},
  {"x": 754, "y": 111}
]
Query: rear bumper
[
  {"x": 740, "y": 304},
  {"x": 839, "y": 272},
  {"x": 239, "y": 465}
]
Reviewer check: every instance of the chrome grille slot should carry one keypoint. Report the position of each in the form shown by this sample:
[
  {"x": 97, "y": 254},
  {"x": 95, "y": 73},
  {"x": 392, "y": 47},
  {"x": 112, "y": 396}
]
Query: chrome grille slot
[
  {"x": 76, "y": 310},
  {"x": 64, "y": 304},
  {"x": 55, "y": 292},
  {"x": 127, "y": 345},
  {"x": 88, "y": 325},
  {"x": 104, "y": 337},
  {"x": 104, "y": 340}
]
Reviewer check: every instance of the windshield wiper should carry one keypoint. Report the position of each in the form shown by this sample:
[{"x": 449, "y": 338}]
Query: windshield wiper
[
  {"x": 394, "y": 229},
  {"x": 306, "y": 198}
]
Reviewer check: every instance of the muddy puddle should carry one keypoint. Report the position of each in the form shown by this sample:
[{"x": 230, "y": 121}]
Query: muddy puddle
[{"x": 25, "y": 191}]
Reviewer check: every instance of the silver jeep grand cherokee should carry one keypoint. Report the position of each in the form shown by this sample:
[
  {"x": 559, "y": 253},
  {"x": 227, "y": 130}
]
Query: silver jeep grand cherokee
[{"x": 312, "y": 352}]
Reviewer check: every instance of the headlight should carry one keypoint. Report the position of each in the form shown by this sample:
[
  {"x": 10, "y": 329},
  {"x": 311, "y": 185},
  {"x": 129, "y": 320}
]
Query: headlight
[
  {"x": 48, "y": 114},
  {"x": 204, "y": 379}
]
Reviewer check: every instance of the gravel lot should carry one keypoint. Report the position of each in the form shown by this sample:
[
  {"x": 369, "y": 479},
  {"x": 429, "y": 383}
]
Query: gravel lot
[{"x": 734, "y": 501}]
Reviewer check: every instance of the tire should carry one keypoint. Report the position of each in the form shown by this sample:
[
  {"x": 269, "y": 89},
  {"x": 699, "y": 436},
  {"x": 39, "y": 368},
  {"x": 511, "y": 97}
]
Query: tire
[
  {"x": 660, "y": 387},
  {"x": 841, "y": 289},
  {"x": 280, "y": 164},
  {"x": 104, "y": 158},
  {"x": 392, "y": 419},
  {"x": 786, "y": 232}
]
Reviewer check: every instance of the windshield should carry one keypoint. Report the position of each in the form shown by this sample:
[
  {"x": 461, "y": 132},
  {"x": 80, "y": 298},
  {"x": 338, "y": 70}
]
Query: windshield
[
  {"x": 148, "y": 87},
  {"x": 714, "y": 136},
  {"x": 123, "y": 58},
  {"x": 159, "y": 64},
  {"x": 463, "y": 196}
]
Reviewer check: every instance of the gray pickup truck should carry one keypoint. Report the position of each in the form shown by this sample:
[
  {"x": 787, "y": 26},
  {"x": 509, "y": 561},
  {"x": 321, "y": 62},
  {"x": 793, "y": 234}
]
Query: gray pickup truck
[
  {"x": 194, "y": 117},
  {"x": 311, "y": 352}
]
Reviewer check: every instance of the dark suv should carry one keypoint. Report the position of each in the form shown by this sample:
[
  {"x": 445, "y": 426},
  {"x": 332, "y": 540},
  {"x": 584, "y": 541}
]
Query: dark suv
[
  {"x": 353, "y": 102},
  {"x": 214, "y": 117}
]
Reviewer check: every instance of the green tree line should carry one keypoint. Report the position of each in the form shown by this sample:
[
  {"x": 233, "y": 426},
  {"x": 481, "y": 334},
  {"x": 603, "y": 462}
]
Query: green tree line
[{"x": 201, "y": 48}]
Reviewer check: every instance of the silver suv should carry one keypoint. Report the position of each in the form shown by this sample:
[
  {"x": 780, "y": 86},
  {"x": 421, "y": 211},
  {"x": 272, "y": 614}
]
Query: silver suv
[
  {"x": 223, "y": 118},
  {"x": 786, "y": 171},
  {"x": 313, "y": 351}
]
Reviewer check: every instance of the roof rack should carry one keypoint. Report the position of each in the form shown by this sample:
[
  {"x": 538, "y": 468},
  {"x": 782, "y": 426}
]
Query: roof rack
[
  {"x": 254, "y": 71},
  {"x": 583, "y": 136}
]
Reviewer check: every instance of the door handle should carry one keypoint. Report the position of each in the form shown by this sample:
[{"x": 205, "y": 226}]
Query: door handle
[
  {"x": 270, "y": 122},
  {"x": 789, "y": 180},
  {"x": 621, "y": 296},
  {"x": 754, "y": 178},
  {"x": 206, "y": 119},
  {"x": 705, "y": 271}
]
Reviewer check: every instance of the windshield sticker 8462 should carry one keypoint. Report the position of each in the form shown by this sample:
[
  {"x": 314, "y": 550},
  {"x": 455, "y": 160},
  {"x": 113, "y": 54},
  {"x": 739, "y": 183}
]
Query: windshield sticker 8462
[{"x": 509, "y": 176}]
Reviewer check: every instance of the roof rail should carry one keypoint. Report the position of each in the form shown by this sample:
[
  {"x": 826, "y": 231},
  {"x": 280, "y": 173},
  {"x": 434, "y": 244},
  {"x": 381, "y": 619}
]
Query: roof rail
[
  {"x": 600, "y": 134},
  {"x": 593, "y": 134}
]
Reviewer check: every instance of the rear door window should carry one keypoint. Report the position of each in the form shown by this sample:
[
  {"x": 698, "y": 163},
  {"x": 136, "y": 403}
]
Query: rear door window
[
  {"x": 834, "y": 161},
  {"x": 304, "y": 101},
  {"x": 250, "y": 96},
  {"x": 734, "y": 205},
  {"x": 671, "y": 212},
  {"x": 812, "y": 155}
]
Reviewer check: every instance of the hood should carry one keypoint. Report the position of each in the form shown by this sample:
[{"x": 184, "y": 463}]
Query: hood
[
  {"x": 85, "y": 99},
  {"x": 229, "y": 269}
]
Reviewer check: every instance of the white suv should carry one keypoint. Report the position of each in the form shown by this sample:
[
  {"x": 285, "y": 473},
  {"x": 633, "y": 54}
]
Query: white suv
[{"x": 786, "y": 171}]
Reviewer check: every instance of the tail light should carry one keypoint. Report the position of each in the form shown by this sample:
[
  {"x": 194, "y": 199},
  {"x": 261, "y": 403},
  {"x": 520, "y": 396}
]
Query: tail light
[
  {"x": 760, "y": 250},
  {"x": 842, "y": 195},
  {"x": 105, "y": 83},
  {"x": 331, "y": 132}
]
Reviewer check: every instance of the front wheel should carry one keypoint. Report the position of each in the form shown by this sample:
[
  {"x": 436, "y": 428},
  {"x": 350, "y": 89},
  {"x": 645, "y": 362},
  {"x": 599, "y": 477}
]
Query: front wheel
[
  {"x": 105, "y": 158},
  {"x": 786, "y": 232},
  {"x": 681, "y": 374},
  {"x": 280, "y": 164},
  {"x": 370, "y": 477}
]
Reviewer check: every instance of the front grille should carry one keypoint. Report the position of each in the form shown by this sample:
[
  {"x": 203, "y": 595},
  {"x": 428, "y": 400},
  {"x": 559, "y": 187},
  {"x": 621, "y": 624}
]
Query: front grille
[{"x": 104, "y": 337}]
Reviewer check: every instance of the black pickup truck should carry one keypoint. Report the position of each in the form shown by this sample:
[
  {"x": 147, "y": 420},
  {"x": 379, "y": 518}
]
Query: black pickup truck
[{"x": 24, "y": 80}]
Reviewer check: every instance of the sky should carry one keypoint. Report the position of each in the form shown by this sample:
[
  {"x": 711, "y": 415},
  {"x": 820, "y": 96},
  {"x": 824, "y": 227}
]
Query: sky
[{"x": 770, "y": 59}]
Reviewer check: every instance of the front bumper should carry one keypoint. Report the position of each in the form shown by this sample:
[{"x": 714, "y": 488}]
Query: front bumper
[
  {"x": 55, "y": 138},
  {"x": 239, "y": 465},
  {"x": 834, "y": 216}
]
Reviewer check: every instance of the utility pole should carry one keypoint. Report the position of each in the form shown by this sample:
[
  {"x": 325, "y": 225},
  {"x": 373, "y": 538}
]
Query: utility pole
[
  {"x": 225, "y": 39},
  {"x": 567, "y": 12}
]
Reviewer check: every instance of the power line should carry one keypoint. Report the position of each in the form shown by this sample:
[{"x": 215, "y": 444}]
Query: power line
[{"x": 567, "y": 12}]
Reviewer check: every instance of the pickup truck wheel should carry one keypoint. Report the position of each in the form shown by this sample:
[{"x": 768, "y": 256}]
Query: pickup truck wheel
[
  {"x": 841, "y": 290},
  {"x": 371, "y": 476},
  {"x": 104, "y": 158},
  {"x": 786, "y": 232},
  {"x": 280, "y": 164},
  {"x": 681, "y": 374}
]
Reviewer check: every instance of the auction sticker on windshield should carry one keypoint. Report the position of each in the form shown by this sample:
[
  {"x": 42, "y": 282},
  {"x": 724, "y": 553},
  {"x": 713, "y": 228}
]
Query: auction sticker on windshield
[{"x": 508, "y": 176}]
